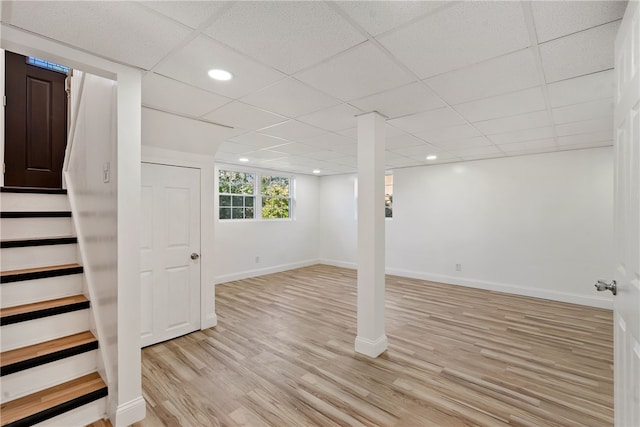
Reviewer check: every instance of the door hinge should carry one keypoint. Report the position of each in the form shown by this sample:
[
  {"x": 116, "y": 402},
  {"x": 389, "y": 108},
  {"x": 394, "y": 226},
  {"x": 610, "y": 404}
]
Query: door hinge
[{"x": 4, "y": 100}]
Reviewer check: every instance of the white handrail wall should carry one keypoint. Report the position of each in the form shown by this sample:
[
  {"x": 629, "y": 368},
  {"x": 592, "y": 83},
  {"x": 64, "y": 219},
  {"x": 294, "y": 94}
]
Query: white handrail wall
[{"x": 91, "y": 145}]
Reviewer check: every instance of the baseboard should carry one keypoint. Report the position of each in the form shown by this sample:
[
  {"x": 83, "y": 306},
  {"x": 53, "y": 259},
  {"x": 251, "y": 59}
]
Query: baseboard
[
  {"x": 263, "y": 271},
  {"x": 371, "y": 348},
  {"x": 336, "y": 263},
  {"x": 599, "y": 302},
  {"x": 130, "y": 412}
]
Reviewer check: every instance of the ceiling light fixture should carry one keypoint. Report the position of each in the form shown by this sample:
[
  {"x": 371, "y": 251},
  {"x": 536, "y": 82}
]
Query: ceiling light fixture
[
  {"x": 243, "y": 159},
  {"x": 432, "y": 157},
  {"x": 316, "y": 171},
  {"x": 222, "y": 75}
]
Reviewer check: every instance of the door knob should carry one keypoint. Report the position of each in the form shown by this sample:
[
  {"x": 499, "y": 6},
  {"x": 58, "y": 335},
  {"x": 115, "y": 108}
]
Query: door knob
[
  {"x": 195, "y": 256},
  {"x": 604, "y": 286}
]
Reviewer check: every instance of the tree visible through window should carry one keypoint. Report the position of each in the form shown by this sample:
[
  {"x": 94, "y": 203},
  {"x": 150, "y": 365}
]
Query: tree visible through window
[
  {"x": 388, "y": 196},
  {"x": 236, "y": 195},
  {"x": 276, "y": 200}
]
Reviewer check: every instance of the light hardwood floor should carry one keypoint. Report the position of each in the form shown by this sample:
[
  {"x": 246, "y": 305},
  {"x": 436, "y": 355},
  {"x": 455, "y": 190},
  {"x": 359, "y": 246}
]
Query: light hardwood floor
[{"x": 282, "y": 355}]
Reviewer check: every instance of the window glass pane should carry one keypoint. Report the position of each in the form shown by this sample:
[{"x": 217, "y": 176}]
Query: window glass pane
[
  {"x": 275, "y": 207},
  {"x": 248, "y": 213},
  {"x": 275, "y": 186},
  {"x": 237, "y": 213},
  {"x": 225, "y": 213},
  {"x": 225, "y": 200},
  {"x": 236, "y": 201},
  {"x": 224, "y": 178},
  {"x": 248, "y": 200},
  {"x": 388, "y": 196}
]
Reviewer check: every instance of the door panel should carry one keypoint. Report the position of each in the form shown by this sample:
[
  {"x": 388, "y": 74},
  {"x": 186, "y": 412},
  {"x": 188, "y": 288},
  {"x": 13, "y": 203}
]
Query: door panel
[
  {"x": 35, "y": 124},
  {"x": 627, "y": 221},
  {"x": 169, "y": 278}
]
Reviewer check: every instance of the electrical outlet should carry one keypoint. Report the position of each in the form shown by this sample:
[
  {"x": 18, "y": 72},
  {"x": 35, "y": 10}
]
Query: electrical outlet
[
  {"x": 257, "y": 260},
  {"x": 458, "y": 267}
]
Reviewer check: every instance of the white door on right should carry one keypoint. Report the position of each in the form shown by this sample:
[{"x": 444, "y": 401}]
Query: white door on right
[{"x": 627, "y": 221}]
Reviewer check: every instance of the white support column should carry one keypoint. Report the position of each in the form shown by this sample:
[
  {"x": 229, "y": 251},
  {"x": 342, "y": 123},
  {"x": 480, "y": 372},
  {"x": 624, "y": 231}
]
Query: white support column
[{"x": 371, "y": 339}]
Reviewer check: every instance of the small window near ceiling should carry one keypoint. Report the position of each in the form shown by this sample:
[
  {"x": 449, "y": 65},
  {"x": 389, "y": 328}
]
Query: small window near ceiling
[
  {"x": 276, "y": 197},
  {"x": 388, "y": 196},
  {"x": 236, "y": 195},
  {"x": 47, "y": 65}
]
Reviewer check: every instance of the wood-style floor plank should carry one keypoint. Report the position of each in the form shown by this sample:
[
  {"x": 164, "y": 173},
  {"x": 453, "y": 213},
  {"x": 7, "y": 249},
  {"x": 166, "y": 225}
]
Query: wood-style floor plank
[
  {"x": 42, "y": 349},
  {"x": 282, "y": 355}
]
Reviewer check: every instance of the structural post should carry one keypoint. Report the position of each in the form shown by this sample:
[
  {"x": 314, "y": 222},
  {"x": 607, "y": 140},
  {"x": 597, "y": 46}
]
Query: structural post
[{"x": 371, "y": 340}]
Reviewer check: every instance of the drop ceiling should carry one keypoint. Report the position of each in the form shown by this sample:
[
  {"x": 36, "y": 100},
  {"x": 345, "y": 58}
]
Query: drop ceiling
[{"x": 461, "y": 80}]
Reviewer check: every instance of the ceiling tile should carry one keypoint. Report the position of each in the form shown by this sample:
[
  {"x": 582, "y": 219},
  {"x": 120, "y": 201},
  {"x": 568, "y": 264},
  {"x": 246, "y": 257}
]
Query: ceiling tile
[
  {"x": 586, "y": 145},
  {"x": 458, "y": 36},
  {"x": 581, "y": 89},
  {"x": 296, "y": 148},
  {"x": 441, "y": 135},
  {"x": 434, "y": 119},
  {"x": 329, "y": 140},
  {"x": 522, "y": 135},
  {"x": 409, "y": 99},
  {"x": 588, "y": 138},
  {"x": 403, "y": 141},
  {"x": 420, "y": 151},
  {"x": 288, "y": 36},
  {"x": 234, "y": 148},
  {"x": 290, "y": 98},
  {"x": 264, "y": 155},
  {"x": 546, "y": 144},
  {"x": 243, "y": 116},
  {"x": 513, "y": 123},
  {"x": 191, "y": 13},
  {"x": 390, "y": 132},
  {"x": 588, "y": 126},
  {"x": 324, "y": 155},
  {"x": 171, "y": 95},
  {"x": 508, "y": 73},
  {"x": 442, "y": 158},
  {"x": 361, "y": 71},
  {"x": 292, "y": 130},
  {"x": 511, "y": 104},
  {"x": 191, "y": 64},
  {"x": 258, "y": 141},
  {"x": 458, "y": 144},
  {"x": 555, "y": 19},
  {"x": 476, "y": 152},
  {"x": 376, "y": 17},
  {"x": 333, "y": 118},
  {"x": 124, "y": 32},
  {"x": 582, "y": 53},
  {"x": 345, "y": 149},
  {"x": 585, "y": 111},
  {"x": 529, "y": 151},
  {"x": 347, "y": 161}
]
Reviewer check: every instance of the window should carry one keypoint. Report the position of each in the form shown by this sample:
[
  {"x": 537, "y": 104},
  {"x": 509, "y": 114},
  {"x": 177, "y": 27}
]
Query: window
[
  {"x": 388, "y": 196},
  {"x": 48, "y": 65},
  {"x": 236, "y": 195},
  {"x": 276, "y": 201}
]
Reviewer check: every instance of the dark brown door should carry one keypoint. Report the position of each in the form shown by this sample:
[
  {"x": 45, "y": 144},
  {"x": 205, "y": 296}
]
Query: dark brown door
[{"x": 35, "y": 124}]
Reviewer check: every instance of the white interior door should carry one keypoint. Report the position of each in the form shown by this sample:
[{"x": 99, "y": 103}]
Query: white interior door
[
  {"x": 169, "y": 252},
  {"x": 627, "y": 221}
]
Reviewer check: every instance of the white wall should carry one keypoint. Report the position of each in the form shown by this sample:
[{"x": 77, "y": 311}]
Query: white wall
[
  {"x": 537, "y": 225},
  {"x": 279, "y": 244}
]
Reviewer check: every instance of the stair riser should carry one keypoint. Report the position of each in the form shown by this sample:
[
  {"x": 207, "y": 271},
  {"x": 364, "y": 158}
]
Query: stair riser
[
  {"x": 82, "y": 416},
  {"x": 25, "y": 228},
  {"x": 47, "y": 328},
  {"x": 29, "y": 291},
  {"x": 41, "y": 377},
  {"x": 37, "y": 256},
  {"x": 11, "y": 202}
]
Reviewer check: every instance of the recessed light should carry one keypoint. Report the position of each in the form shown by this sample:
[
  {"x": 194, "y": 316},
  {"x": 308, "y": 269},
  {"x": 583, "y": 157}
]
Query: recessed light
[
  {"x": 220, "y": 75},
  {"x": 432, "y": 157},
  {"x": 316, "y": 171},
  {"x": 243, "y": 159}
]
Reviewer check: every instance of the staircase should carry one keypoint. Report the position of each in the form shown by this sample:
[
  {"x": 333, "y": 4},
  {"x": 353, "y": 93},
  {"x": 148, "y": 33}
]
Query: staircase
[{"x": 49, "y": 359}]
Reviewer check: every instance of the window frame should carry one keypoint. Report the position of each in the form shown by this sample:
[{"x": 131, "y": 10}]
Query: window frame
[
  {"x": 232, "y": 195},
  {"x": 257, "y": 193}
]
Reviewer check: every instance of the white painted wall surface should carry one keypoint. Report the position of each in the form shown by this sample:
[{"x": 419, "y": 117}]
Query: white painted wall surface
[
  {"x": 280, "y": 244},
  {"x": 537, "y": 225}
]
